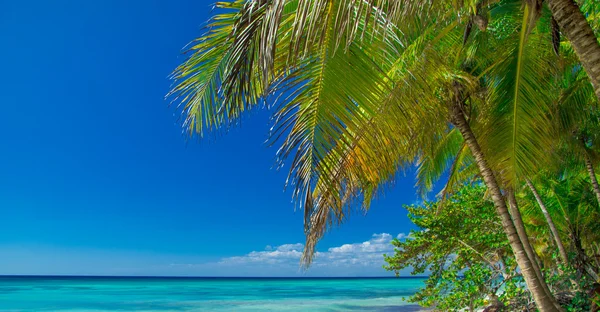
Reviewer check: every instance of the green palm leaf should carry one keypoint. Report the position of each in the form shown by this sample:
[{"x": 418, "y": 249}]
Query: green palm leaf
[{"x": 518, "y": 137}]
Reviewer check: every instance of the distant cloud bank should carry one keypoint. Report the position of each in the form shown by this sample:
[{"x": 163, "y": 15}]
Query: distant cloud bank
[{"x": 352, "y": 259}]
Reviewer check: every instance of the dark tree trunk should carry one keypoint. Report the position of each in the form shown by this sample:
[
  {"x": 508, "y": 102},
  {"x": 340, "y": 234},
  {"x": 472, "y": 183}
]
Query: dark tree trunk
[
  {"x": 575, "y": 27},
  {"x": 582, "y": 262},
  {"x": 520, "y": 227},
  {"x": 580, "y": 257},
  {"x": 543, "y": 301},
  {"x": 592, "y": 173}
]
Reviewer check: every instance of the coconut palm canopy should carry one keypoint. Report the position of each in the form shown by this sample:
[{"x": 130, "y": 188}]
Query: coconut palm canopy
[
  {"x": 359, "y": 90},
  {"x": 362, "y": 89}
]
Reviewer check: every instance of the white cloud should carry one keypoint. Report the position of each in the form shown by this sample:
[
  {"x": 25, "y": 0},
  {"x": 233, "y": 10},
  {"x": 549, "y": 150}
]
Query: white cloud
[
  {"x": 403, "y": 236},
  {"x": 365, "y": 258},
  {"x": 290, "y": 247},
  {"x": 352, "y": 259}
]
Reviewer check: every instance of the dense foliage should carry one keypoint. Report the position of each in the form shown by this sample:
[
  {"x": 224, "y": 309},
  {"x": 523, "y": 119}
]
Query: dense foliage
[{"x": 459, "y": 244}]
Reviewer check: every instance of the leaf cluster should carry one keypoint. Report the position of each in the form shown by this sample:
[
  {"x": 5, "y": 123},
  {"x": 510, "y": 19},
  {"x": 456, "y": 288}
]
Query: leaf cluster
[{"x": 463, "y": 250}]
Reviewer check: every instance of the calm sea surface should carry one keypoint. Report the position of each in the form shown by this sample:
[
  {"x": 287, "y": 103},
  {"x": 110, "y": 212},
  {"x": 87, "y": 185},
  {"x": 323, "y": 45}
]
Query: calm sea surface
[{"x": 205, "y": 294}]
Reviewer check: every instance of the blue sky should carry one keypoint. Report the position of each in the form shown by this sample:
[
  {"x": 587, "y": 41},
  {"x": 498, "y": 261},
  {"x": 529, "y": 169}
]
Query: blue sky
[{"x": 96, "y": 177}]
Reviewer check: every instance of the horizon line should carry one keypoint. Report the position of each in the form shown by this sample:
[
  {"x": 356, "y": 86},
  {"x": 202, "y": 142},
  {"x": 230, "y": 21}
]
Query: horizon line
[{"x": 203, "y": 277}]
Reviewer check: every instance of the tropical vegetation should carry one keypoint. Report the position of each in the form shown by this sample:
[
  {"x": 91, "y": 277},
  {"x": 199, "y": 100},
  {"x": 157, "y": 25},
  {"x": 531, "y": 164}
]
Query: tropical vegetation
[
  {"x": 460, "y": 245},
  {"x": 503, "y": 92}
]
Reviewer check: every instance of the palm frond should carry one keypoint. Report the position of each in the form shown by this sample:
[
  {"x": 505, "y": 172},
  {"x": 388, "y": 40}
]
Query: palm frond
[
  {"x": 325, "y": 101},
  {"x": 375, "y": 148},
  {"x": 520, "y": 124},
  {"x": 230, "y": 67},
  {"x": 438, "y": 159}
]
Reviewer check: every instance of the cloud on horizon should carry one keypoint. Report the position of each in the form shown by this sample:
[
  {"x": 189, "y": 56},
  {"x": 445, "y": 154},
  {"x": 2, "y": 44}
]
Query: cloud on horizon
[{"x": 352, "y": 259}]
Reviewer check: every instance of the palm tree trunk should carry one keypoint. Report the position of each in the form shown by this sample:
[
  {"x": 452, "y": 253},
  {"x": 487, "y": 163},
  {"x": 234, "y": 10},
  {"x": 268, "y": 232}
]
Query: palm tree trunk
[
  {"x": 582, "y": 262},
  {"x": 561, "y": 247},
  {"x": 543, "y": 301},
  {"x": 575, "y": 27},
  {"x": 520, "y": 227},
  {"x": 592, "y": 173}
]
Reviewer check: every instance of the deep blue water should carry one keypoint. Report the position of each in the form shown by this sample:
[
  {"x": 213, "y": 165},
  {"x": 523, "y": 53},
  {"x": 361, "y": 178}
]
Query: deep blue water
[{"x": 205, "y": 294}]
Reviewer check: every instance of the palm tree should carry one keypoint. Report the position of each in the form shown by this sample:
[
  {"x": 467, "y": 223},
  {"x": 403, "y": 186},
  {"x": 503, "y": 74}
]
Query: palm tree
[
  {"x": 362, "y": 96},
  {"x": 592, "y": 174},
  {"x": 575, "y": 27},
  {"x": 577, "y": 122},
  {"x": 579, "y": 143},
  {"x": 569, "y": 18},
  {"x": 573, "y": 208},
  {"x": 555, "y": 235}
]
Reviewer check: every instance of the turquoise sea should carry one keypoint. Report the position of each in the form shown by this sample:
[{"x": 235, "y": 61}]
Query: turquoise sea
[{"x": 205, "y": 294}]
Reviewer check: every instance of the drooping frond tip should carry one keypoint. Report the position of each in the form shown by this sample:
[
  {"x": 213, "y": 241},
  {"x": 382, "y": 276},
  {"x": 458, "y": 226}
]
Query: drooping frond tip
[{"x": 229, "y": 66}]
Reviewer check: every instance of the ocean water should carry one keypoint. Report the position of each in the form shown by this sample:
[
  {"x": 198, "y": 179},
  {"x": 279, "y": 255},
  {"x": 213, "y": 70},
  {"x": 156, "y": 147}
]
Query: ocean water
[{"x": 206, "y": 294}]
